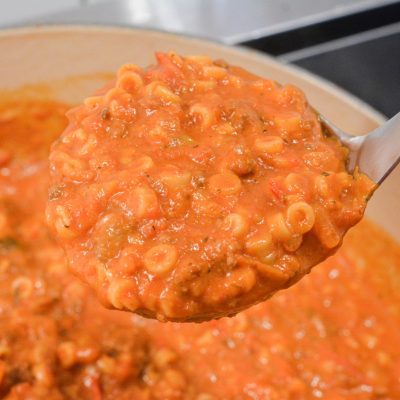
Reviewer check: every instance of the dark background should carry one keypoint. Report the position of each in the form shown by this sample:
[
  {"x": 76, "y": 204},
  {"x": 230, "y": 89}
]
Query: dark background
[{"x": 359, "y": 52}]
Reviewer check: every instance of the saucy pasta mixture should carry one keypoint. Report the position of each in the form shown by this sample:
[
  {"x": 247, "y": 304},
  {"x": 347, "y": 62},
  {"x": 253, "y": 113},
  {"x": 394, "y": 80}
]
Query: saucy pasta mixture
[
  {"x": 192, "y": 189},
  {"x": 332, "y": 336}
]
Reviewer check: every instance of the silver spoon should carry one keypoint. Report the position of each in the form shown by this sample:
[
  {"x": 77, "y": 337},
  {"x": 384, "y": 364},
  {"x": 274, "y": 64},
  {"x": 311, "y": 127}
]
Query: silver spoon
[{"x": 376, "y": 154}]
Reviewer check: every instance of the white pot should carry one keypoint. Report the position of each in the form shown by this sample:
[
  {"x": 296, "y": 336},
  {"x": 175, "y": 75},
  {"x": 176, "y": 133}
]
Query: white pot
[{"x": 72, "y": 61}]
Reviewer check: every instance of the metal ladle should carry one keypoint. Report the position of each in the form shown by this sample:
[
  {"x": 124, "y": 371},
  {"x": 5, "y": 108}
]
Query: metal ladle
[{"x": 376, "y": 154}]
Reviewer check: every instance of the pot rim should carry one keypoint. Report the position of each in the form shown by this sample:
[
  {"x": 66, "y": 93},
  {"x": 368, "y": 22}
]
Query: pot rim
[{"x": 324, "y": 84}]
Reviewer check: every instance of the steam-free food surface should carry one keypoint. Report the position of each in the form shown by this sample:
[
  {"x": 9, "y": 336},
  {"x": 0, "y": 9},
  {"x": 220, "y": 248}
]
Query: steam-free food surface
[{"x": 192, "y": 189}]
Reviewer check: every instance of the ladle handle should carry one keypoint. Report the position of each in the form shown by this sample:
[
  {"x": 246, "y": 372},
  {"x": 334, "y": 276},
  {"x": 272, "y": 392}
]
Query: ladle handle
[{"x": 379, "y": 152}]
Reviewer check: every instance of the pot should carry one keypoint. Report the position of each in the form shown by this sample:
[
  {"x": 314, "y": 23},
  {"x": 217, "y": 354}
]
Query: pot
[{"x": 70, "y": 62}]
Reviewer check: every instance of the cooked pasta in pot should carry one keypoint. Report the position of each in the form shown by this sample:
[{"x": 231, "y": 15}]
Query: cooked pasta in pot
[{"x": 334, "y": 335}]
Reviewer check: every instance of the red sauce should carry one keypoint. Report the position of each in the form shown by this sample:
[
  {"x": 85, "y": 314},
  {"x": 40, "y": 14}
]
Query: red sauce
[
  {"x": 192, "y": 189},
  {"x": 332, "y": 336}
]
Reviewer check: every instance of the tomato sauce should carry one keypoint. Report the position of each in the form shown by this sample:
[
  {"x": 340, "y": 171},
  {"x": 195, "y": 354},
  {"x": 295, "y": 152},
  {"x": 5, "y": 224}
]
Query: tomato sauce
[
  {"x": 192, "y": 189},
  {"x": 332, "y": 336}
]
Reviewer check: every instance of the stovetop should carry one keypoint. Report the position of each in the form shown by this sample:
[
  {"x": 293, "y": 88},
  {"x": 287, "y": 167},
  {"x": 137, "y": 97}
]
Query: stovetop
[
  {"x": 367, "y": 65},
  {"x": 353, "y": 43},
  {"x": 360, "y": 53}
]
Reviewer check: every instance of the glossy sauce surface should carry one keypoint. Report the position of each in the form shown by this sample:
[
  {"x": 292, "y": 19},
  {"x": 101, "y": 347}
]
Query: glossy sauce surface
[
  {"x": 332, "y": 336},
  {"x": 193, "y": 189}
]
